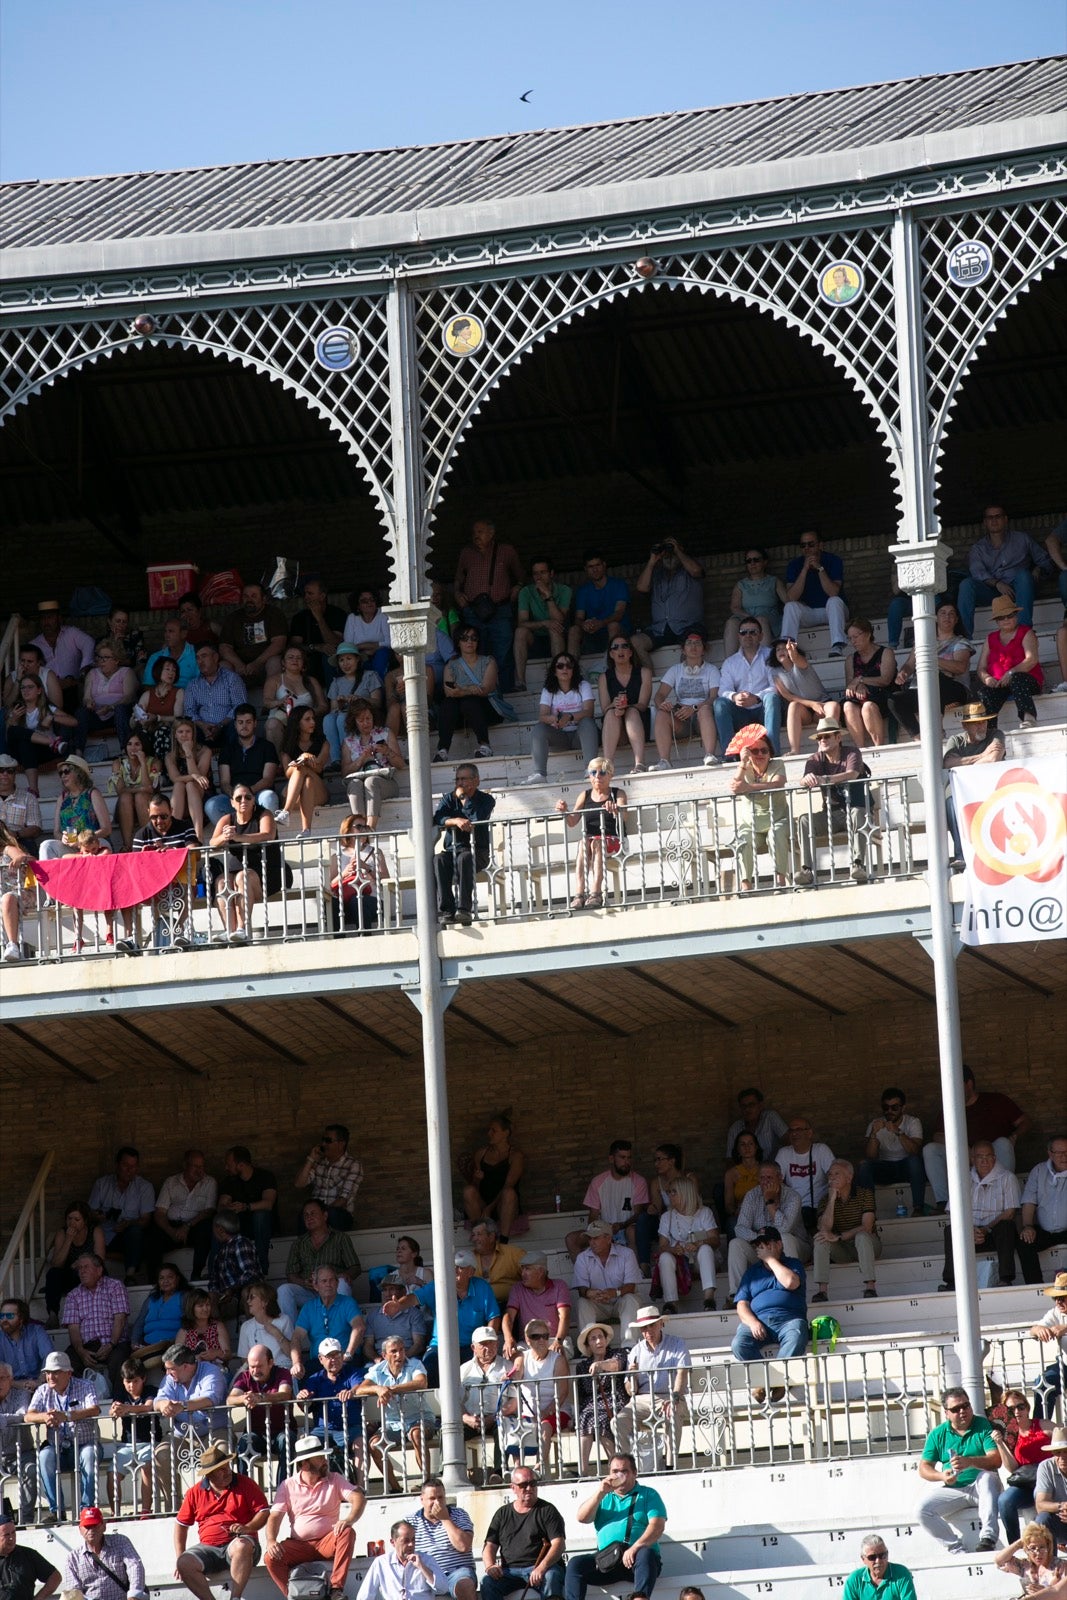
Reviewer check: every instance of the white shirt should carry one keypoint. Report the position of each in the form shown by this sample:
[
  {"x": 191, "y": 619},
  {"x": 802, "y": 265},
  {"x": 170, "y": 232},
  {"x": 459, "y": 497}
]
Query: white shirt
[
  {"x": 387, "y": 1580},
  {"x": 618, "y": 1267},
  {"x": 568, "y": 702},
  {"x": 253, "y": 1332},
  {"x": 482, "y": 1385},
  {"x": 692, "y": 685},
  {"x": 1047, "y": 1190},
  {"x": 889, "y": 1145},
  {"x": 180, "y": 1203},
  {"x": 806, "y": 1174},
  {"x": 994, "y": 1194},
  {"x": 679, "y": 1229},
  {"x": 376, "y": 631},
  {"x": 740, "y": 674}
]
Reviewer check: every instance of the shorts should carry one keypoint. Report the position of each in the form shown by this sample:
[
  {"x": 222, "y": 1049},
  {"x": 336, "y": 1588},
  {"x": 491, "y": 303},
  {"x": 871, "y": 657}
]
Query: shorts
[
  {"x": 395, "y": 1432},
  {"x": 553, "y": 1421},
  {"x": 447, "y": 1583},
  {"x": 216, "y": 1558},
  {"x": 131, "y": 1455}
]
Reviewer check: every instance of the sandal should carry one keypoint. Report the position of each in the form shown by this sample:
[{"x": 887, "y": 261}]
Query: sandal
[
  {"x": 578, "y": 902},
  {"x": 593, "y": 902}
]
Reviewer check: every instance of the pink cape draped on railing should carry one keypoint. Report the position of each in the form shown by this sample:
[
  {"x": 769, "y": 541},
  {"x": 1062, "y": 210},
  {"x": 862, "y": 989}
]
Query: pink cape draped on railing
[{"x": 110, "y": 882}]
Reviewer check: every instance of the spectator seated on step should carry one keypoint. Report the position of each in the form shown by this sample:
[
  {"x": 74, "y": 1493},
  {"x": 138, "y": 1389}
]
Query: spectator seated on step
[
  {"x": 772, "y": 1204},
  {"x": 1043, "y": 1221},
  {"x": 246, "y": 758},
  {"x": 328, "y": 1315},
  {"x": 894, "y": 1149},
  {"x": 1001, "y": 564},
  {"x": 253, "y": 637},
  {"x": 601, "y": 608},
  {"x": 317, "y": 1245},
  {"x": 747, "y": 691},
  {"x": 332, "y": 1175},
  {"x": 771, "y": 1302},
  {"x": 176, "y": 647},
  {"x": 123, "y": 1202},
  {"x": 685, "y": 701},
  {"x": 392, "y": 1319},
  {"x": 994, "y": 1208},
  {"x": 212, "y": 697},
  {"x": 184, "y": 1210},
  {"x": 815, "y": 592},
  {"x": 536, "y": 1295}
]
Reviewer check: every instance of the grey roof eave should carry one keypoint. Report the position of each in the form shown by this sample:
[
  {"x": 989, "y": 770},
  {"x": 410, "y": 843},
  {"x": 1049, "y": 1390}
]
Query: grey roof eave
[{"x": 408, "y": 229}]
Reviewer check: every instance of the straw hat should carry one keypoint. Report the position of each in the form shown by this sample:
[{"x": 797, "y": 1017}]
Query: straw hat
[
  {"x": 1057, "y": 1289},
  {"x": 826, "y": 725},
  {"x": 647, "y": 1316},
  {"x": 1057, "y": 1443},
  {"x": 976, "y": 713},
  {"x": 214, "y": 1457},
  {"x": 80, "y": 763},
  {"x": 1003, "y": 606},
  {"x": 582, "y": 1340}
]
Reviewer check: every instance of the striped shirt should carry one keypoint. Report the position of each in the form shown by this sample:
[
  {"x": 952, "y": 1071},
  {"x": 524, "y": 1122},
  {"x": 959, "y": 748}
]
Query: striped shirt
[
  {"x": 336, "y": 1183},
  {"x": 79, "y": 1393},
  {"x": 1047, "y": 1190},
  {"x": 436, "y": 1548},
  {"x": 993, "y": 1195},
  {"x": 216, "y": 701},
  {"x": 82, "y": 1572}
]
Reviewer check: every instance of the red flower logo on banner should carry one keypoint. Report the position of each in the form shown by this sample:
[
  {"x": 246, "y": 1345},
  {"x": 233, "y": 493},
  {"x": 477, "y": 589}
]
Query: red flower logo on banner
[{"x": 1018, "y": 831}]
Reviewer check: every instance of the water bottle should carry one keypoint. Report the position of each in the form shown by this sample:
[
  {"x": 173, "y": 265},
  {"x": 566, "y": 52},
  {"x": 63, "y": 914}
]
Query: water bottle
[
  {"x": 902, "y": 1209},
  {"x": 558, "y": 1199}
]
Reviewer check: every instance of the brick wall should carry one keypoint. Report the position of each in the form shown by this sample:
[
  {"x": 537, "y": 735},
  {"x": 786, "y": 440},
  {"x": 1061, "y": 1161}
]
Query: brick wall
[{"x": 569, "y": 1096}]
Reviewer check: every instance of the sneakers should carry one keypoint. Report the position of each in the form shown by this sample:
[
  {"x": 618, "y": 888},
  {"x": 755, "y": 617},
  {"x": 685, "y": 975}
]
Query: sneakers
[
  {"x": 481, "y": 751},
  {"x": 638, "y": 766},
  {"x": 127, "y": 947},
  {"x": 860, "y": 873},
  {"x": 1061, "y": 688},
  {"x": 955, "y": 1548},
  {"x": 662, "y": 766},
  {"x": 804, "y": 878},
  {"x": 238, "y": 936},
  {"x": 985, "y": 1544},
  {"x": 281, "y": 817},
  {"x": 12, "y": 951},
  {"x": 537, "y": 777},
  {"x": 440, "y": 755},
  {"x": 838, "y": 649},
  {"x": 464, "y": 918},
  {"x": 713, "y": 761}
]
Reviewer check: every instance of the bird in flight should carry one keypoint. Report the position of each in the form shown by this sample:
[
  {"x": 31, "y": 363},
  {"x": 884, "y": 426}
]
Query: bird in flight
[{"x": 527, "y": 95}]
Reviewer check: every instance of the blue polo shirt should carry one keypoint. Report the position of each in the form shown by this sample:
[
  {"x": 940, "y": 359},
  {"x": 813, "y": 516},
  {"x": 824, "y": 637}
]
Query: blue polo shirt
[
  {"x": 478, "y": 1307},
  {"x": 187, "y": 667},
  {"x": 334, "y": 1322},
  {"x": 814, "y": 595},
  {"x": 765, "y": 1294},
  {"x": 594, "y": 602}
]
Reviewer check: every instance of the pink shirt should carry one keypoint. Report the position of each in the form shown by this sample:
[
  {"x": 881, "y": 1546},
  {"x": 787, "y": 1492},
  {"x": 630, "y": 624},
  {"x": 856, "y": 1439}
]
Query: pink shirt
[{"x": 313, "y": 1509}]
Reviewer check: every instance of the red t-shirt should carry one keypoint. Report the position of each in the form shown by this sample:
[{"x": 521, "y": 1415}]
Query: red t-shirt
[
  {"x": 214, "y": 1514},
  {"x": 992, "y": 1116}
]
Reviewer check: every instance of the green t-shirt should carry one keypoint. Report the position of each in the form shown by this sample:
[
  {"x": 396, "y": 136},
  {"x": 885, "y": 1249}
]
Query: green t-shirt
[
  {"x": 898, "y": 1584},
  {"x": 614, "y": 1513},
  {"x": 536, "y": 608},
  {"x": 944, "y": 1441}
]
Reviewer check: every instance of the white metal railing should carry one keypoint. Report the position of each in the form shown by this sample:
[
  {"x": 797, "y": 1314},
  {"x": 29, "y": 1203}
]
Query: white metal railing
[
  {"x": 26, "y": 1249},
  {"x": 654, "y": 852},
  {"x": 9, "y": 647},
  {"x": 829, "y": 1406}
]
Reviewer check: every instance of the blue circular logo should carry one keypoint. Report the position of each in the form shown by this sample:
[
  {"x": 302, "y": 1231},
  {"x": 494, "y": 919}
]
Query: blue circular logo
[
  {"x": 968, "y": 263},
  {"x": 337, "y": 349}
]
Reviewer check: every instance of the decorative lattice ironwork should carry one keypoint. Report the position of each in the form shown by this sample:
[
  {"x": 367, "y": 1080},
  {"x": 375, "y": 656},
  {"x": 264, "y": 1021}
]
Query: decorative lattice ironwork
[
  {"x": 1025, "y": 240},
  {"x": 780, "y": 276},
  {"x": 277, "y": 340}
]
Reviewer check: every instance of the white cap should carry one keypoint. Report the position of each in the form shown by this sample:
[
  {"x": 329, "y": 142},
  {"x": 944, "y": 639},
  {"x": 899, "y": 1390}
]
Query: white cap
[{"x": 330, "y": 1347}]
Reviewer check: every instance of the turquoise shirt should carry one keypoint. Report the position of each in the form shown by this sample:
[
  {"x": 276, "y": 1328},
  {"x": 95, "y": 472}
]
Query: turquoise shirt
[
  {"x": 536, "y": 608},
  {"x": 613, "y": 1514},
  {"x": 897, "y": 1585}
]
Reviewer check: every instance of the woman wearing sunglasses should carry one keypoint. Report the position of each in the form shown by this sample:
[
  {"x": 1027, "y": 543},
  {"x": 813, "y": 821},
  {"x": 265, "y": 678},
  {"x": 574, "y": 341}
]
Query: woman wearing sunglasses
[
  {"x": 625, "y": 690},
  {"x": 565, "y": 716},
  {"x": 597, "y": 810}
]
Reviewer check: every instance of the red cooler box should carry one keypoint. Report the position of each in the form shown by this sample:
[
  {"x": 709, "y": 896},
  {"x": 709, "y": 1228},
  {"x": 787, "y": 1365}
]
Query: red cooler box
[{"x": 167, "y": 584}]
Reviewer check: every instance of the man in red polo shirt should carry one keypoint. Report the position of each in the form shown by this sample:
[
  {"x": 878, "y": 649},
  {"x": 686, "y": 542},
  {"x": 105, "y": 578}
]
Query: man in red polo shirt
[{"x": 227, "y": 1509}]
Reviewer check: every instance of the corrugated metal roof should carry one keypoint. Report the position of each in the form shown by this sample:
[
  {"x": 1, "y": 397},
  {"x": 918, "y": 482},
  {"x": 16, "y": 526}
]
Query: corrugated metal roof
[{"x": 543, "y": 161}]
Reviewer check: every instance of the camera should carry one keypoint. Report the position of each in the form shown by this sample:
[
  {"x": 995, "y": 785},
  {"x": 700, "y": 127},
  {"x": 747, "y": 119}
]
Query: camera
[{"x": 659, "y": 549}]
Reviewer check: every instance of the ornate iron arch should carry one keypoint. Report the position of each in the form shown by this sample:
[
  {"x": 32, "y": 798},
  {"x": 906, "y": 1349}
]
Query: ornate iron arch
[
  {"x": 1025, "y": 242},
  {"x": 275, "y": 341},
  {"x": 772, "y": 275}
]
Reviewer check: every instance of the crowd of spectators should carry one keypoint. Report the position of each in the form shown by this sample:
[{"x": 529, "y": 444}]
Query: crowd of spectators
[{"x": 331, "y": 694}]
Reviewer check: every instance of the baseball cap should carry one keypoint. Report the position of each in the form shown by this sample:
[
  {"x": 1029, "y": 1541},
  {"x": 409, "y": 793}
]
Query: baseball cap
[
  {"x": 91, "y": 1517},
  {"x": 465, "y": 1258},
  {"x": 8, "y": 763},
  {"x": 485, "y": 1335},
  {"x": 600, "y": 1230},
  {"x": 768, "y": 1235},
  {"x": 535, "y": 1258},
  {"x": 330, "y": 1347}
]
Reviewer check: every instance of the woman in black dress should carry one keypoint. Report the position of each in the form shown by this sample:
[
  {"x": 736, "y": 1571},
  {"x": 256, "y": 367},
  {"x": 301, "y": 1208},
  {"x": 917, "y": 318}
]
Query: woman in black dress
[
  {"x": 492, "y": 1186},
  {"x": 601, "y": 1390},
  {"x": 250, "y": 866},
  {"x": 874, "y": 668},
  {"x": 625, "y": 689}
]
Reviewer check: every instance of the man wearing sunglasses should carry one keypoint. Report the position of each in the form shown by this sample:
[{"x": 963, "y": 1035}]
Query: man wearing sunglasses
[
  {"x": 894, "y": 1150},
  {"x": 814, "y": 586},
  {"x": 878, "y": 1575},
  {"x": 746, "y": 689},
  {"x": 961, "y": 1463}
]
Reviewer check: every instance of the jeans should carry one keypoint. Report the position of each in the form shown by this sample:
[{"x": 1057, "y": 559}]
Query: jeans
[
  {"x": 936, "y": 1164},
  {"x": 791, "y": 1337},
  {"x": 1011, "y": 1502},
  {"x": 46, "y": 1457},
  {"x": 898, "y": 608},
  {"x": 333, "y": 726},
  {"x": 729, "y": 718},
  {"x": 129, "y": 1244},
  {"x": 940, "y": 1502},
  {"x": 973, "y": 593},
  {"x": 220, "y": 805},
  {"x": 22, "y": 1463},
  {"x": 907, "y": 1168},
  {"x": 581, "y": 1572},
  {"x": 518, "y": 1578}
]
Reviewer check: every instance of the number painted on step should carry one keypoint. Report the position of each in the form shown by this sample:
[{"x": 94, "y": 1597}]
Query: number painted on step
[
  {"x": 904, "y": 1533},
  {"x": 777, "y": 1477},
  {"x": 836, "y": 1533},
  {"x": 770, "y": 1540},
  {"x": 764, "y": 1588},
  {"x": 835, "y": 1472}
]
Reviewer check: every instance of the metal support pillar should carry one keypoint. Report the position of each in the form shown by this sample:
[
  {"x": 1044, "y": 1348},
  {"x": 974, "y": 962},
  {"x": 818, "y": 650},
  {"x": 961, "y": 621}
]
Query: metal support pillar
[
  {"x": 410, "y": 628},
  {"x": 921, "y": 570}
]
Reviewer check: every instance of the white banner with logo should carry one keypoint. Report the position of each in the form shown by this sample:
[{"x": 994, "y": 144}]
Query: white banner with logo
[{"x": 1013, "y": 825}]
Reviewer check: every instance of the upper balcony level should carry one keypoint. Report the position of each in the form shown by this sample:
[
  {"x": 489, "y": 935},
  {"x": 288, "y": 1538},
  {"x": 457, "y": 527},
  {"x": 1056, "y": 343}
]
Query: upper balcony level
[{"x": 679, "y": 883}]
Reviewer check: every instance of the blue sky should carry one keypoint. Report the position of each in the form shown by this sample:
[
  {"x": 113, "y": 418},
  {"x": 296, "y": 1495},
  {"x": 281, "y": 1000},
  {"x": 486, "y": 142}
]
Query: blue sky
[{"x": 117, "y": 86}]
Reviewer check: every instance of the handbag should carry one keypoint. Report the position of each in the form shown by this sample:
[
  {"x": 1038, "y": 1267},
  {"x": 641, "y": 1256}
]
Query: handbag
[
  {"x": 608, "y": 1560},
  {"x": 308, "y": 1583},
  {"x": 1024, "y": 1477},
  {"x": 483, "y": 605}
]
